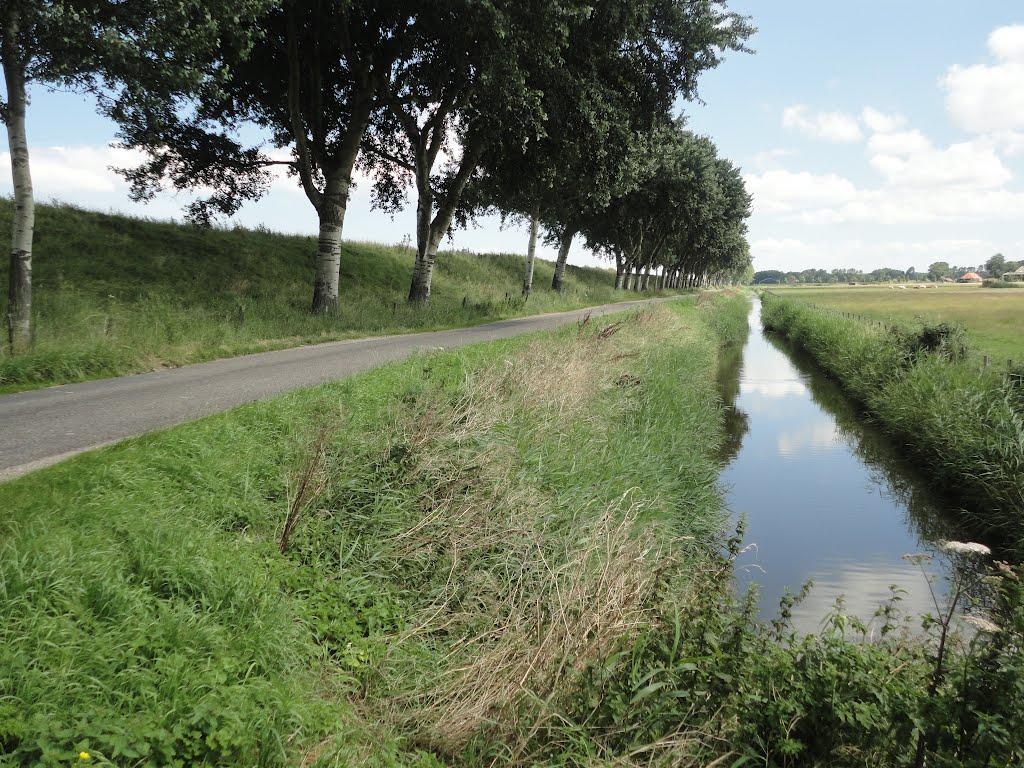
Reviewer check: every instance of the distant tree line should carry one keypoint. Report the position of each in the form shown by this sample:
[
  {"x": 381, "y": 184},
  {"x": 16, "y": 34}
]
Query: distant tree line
[
  {"x": 560, "y": 113},
  {"x": 996, "y": 266}
]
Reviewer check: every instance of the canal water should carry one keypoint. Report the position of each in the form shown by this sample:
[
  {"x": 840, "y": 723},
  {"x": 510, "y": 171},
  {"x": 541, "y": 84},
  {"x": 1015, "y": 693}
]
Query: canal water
[{"x": 824, "y": 495}]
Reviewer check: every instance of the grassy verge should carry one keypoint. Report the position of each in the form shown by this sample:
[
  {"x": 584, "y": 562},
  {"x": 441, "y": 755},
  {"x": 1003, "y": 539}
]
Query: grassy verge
[
  {"x": 504, "y": 555},
  {"x": 992, "y": 318},
  {"x": 151, "y": 617},
  {"x": 963, "y": 425},
  {"x": 116, "y": 295}
]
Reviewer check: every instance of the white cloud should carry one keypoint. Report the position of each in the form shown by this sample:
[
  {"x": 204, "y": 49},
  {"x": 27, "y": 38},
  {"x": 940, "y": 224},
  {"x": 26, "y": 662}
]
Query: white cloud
[
  {"x": 835, "y": 127},
  {"x": 989, "y": 98},
  {"x": 898, "y": 143},
  {"x": 771, "y": 159},
  {"x": 788, "y": 191},
  {"x": 880, "y": 122},
  {"x": 968, "y": 164},
  {"x": 60, "y": 170}
]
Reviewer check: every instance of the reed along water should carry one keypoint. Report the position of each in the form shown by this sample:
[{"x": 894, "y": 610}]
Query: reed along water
[{"x": 825, "y": 496}]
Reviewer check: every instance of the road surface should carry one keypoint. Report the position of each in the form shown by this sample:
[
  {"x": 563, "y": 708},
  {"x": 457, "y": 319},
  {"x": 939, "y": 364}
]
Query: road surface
[{"x": 44, "y": 426}]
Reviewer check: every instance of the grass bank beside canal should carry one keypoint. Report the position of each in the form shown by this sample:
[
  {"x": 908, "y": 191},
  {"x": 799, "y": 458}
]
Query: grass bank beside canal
[
  {"x": 114, "y": 295},
  {"x": 962, "y": 424},
  {"x": 384, "y": 570},
  {"x": 503, "y": 555},
  {"x": 991, "y": 318}
]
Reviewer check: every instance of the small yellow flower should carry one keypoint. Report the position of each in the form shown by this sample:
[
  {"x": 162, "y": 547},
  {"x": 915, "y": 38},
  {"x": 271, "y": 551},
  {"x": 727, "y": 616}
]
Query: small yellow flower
[{"x": 84, "y": 755}]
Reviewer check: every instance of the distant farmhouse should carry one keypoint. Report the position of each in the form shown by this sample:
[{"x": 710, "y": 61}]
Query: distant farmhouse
[
  {"x": 1017, "y": 275},
  {"x": 969, "y": 277}
]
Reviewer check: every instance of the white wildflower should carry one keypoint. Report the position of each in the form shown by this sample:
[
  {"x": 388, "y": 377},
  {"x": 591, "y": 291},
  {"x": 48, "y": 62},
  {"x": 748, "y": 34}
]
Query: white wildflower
[
  {"x": 964, "y": 548},
  {"x": 983, "y": 624}
]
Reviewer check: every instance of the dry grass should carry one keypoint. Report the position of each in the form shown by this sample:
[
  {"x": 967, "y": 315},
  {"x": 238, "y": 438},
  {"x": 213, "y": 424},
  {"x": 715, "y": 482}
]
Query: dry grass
[{"x": 530, "y": 593}]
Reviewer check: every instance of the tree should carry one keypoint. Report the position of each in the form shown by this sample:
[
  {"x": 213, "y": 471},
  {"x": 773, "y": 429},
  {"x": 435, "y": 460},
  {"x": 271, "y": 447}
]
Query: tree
[
  {"x": 625, "y": 65},
  {"x": 100, "y": 46},
  {"x": 911, "y": 273},
  {"x": 313, "y": 80},
  {"x": 475, "y": 78},
  {"x": 996, "y": 265},
  {"x": 938, "y": 270},
  {"x": 765, "y": 276}
]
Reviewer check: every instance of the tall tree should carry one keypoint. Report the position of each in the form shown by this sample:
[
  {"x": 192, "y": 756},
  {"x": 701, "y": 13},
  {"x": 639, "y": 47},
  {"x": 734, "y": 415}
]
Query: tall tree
[
  {"x": 96, "y": 45},
  {"x": 16, "y": 56},
  {"x": 658, "y": 50},
  {"x": 478, "y": 85},
  {"x": 312, "y": 80}
]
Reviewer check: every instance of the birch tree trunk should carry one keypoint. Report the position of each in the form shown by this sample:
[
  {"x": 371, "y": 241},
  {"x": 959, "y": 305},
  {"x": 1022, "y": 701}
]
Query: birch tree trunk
[
  {"x": 430, "y": 232},
  {"x": 423, "y": 271},
  {"x": 19, "y": 291},
  {"x": 564, "y": 244},
  {"x": 531, "y": 255},
  {"x": 619, "y": 273},
  {"x": 647, "y": 278},
  {"x": 328, "y": 251}
]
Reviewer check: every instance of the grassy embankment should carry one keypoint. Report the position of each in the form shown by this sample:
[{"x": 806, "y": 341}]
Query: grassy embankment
[
  {"x": 992, "y": 319},
  {"x": 116, "y": 295},
  {"x": 962, "y": 424},
  {"x": 500, "y": 555},
  {"x": 463, "y": 520}
]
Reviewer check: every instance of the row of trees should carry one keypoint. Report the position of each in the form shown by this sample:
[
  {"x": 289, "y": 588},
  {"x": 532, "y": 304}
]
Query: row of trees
[
  {"x": 558, "y": 112},
  {"x": 995, "y": 266}
]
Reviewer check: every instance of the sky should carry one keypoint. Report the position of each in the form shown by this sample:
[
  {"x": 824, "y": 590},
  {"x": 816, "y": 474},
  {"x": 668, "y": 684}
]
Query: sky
[{"x": 871, "y": 134}]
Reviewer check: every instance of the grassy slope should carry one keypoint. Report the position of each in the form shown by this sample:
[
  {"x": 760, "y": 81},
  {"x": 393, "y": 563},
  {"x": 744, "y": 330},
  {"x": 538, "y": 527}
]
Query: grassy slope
[
  {"x": 115, "y": 295},
  {"x": 127, "y": 638},
  {"x": 993, "y": 319}
]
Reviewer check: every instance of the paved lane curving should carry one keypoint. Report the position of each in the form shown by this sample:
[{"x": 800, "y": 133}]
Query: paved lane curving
[{"x": 44, "y": 426}]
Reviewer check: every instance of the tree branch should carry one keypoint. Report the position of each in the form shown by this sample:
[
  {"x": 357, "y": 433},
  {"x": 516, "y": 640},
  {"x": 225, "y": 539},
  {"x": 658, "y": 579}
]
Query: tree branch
[{"x": 305, "y": 167}]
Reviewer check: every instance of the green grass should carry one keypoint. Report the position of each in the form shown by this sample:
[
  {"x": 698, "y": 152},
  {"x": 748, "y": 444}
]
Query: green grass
[
  {"x": 993, "y": 319},
  {"x": 115, "y": 295},
  {"x": 505, "y": 555},
  {"x": 150, "y": 619}
]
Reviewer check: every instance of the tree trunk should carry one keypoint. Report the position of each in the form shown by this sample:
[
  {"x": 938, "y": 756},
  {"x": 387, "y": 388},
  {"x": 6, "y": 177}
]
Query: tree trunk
[
  {"x": 564, "y": 244},
  {"x": 647, "y": 278},
  {"x": 328, "y": 251},
  {"x": 619, "y": 272},
  {"x": 19, "y": 291},
  {"x": 636, "y": 279},
  {"x": 423, "y": 270},
  {"x": 531, "y": 254},
  {"x": 430, "y": 232}
]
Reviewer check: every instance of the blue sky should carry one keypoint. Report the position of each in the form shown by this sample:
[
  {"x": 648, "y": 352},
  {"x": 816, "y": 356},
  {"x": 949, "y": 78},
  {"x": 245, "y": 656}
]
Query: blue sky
[{"x": 870, "y": 134}]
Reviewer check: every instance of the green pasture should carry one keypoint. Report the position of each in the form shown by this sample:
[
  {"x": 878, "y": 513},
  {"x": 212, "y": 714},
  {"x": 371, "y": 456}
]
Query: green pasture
[{"x": 993, "y": 319}]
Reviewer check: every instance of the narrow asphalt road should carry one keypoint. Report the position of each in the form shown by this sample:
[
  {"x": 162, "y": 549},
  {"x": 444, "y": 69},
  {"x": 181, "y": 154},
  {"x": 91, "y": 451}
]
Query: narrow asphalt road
[{"x": 44, "y": 426}]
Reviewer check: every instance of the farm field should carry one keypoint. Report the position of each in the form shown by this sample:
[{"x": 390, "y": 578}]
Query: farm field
[{"x": 993, "y": 318}]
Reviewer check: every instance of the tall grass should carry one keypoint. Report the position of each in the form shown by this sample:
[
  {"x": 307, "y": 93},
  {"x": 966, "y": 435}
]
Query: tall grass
[
  {"x": 151, "y": 617},
  {"x": 963, "y": 425},
  {"x": 115, "y": 295}
]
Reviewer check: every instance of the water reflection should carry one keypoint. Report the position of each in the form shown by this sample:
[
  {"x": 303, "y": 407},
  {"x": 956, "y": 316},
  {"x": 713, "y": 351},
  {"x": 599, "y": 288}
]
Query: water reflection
[
  {"x": 730, "y": 364},
  {"x": 826, "y": 497}
]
